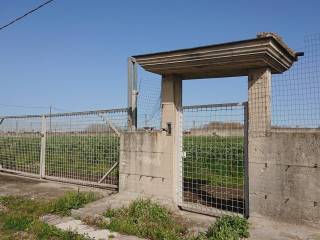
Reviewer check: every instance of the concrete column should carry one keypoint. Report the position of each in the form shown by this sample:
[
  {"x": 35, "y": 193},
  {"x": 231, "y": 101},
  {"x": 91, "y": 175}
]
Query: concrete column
[
  {"x": 259, "y": 101},
  {"x": 172, "y": 114},
  {"x": 259, "y": 104},
  {"x": 149, "y": 161}
]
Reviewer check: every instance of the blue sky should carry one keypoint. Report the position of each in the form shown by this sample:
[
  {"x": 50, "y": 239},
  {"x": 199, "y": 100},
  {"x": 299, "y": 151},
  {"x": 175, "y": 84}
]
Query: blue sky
[{"x": 73, "y": 53}]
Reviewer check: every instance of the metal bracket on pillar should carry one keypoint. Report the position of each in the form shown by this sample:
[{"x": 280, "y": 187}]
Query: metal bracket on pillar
[{"x": 132, "y": 93}]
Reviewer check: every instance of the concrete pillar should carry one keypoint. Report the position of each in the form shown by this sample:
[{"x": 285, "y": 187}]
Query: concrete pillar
[
  {"x": 149, "y": 161},
  {"x": 172, "y": 114},
  {"x": 259, "y": 101}
]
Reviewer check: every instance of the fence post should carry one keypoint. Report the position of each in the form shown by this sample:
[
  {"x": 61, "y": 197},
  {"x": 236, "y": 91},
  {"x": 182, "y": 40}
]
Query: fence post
[
  {"x": 246, "y": 160},
  {"x": 43, "y": 147},
  {"x": 132, "y": 94}
]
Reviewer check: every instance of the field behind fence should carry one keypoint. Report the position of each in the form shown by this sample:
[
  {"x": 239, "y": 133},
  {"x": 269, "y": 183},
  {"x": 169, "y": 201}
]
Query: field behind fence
[{"x": 73, "y": 147}]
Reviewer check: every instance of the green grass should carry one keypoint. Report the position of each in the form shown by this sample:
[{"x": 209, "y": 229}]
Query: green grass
[
  {"x": 86, "y": 157},
  {"x": 147, "y": 219},
  {"x": 71, "y": 200},
  {"x": 18, "y": 151},
  {"x": 19, "y": 219},
  {"x": 228, "y": 228},
  {"x": 94, "y": 153},
  {"x": 22, "y": 216},
  {"x": 216, "y": 160}
]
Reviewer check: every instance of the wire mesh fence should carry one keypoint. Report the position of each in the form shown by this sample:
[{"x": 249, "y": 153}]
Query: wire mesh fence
[
  {"x": 85, "y": 146},
  {"x": 81, "y": 147},
  {"x": 296, "y": 93},
  {"x": 214, "y": 167},
  {"x": 149, "y": 101},
  {"x": 20, "y": 144}
]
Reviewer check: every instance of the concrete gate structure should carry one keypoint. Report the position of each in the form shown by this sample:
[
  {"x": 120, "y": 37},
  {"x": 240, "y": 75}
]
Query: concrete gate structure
[{"x": 150, "y": 160}]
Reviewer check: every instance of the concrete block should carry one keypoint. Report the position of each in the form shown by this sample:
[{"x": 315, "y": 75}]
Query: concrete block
[
  {"x": 146, "y": 164},
  {"x": 284, "y": 176}
]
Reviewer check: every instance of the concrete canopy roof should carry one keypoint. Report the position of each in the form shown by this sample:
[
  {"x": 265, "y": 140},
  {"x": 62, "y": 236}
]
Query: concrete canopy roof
[{"x": 222, "y": 60}]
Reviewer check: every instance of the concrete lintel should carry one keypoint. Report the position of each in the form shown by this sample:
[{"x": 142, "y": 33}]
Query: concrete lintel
[{"x": 222, "y": 60}]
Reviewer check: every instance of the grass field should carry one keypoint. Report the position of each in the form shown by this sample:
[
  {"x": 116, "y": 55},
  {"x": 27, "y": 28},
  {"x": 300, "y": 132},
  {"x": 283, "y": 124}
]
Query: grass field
[
  {"x": 217, "y": 161},
  {"x": 88, "y": 157},
  {"x": 214, "y": 160},
  {"x": 83, "y": 157}
]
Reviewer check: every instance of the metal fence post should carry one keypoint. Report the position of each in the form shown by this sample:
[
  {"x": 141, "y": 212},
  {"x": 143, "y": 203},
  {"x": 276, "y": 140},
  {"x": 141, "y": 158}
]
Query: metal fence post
[
  {"x": 132, "y": 93},
  {"x": 43, "y": 147},
  {"x": 246, "y": 160}
]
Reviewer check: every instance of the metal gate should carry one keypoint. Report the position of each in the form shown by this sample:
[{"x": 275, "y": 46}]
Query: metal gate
[
  {"x": 214, "y": 169},
  {"x": 80, "y": 148}
]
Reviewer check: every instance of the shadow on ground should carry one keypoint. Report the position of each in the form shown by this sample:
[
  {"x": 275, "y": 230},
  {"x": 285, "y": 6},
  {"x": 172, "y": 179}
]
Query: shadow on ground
[{"x": 38, "y": 189}]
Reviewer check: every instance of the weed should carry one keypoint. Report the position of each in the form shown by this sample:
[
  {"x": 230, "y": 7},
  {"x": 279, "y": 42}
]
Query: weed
[
  {"x": 142, "y": 218},
  {"x": 44, "y": 231},
  {"x": 21, "y": 217},
  {"x": 72, "y": 200},
  {"x": 145, "y": 218},
  {"x": 16, "y": 222},
  {"x": 229, "y": 228}
]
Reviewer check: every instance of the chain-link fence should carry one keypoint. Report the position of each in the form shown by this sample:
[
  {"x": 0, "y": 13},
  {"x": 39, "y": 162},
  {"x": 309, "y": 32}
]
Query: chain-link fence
[
  {"x": 80, "y": 148},
  {"x": 214, "y": 170}
]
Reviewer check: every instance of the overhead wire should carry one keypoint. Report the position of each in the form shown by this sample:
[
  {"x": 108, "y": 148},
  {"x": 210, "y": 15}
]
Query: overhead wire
[{"x": 25, "y": 15}]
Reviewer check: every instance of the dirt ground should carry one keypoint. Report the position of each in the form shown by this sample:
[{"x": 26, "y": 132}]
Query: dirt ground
[
  {"x": 38, "y": 189},
  {"x": 260, "y": 229}
]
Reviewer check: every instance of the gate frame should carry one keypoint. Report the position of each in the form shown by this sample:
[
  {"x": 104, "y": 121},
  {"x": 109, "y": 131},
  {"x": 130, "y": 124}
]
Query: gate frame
[
  {"x": 255, "y": 58},
  {"x": 43, "y": 137}
]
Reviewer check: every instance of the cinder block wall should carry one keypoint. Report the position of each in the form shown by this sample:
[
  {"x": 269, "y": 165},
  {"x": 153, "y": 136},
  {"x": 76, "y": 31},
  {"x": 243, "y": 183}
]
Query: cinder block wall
[
  {"x": 284, "y": 175},
  {"x": 146, "y": 165}
]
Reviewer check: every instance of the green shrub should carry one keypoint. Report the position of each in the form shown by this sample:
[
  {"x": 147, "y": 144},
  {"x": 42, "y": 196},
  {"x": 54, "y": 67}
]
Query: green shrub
[{"x": 229, "y": 228}]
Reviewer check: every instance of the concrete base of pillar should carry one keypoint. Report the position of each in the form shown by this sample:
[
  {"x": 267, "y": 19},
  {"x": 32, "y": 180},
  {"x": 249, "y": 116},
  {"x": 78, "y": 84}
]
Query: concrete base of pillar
[{"x": 146, "y": 166}]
